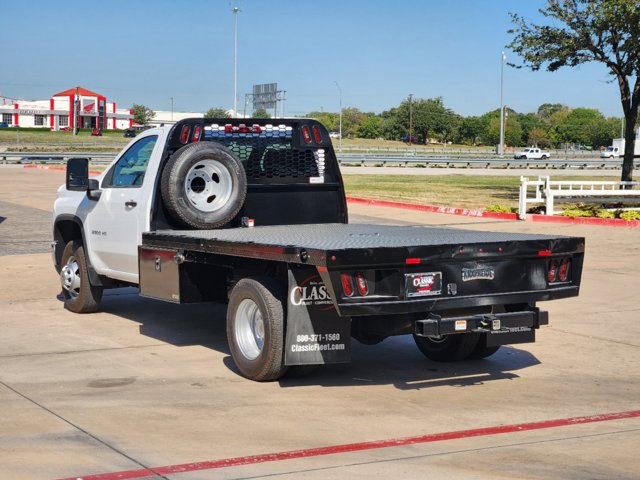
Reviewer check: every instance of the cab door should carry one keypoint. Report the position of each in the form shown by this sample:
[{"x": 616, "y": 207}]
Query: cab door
[{"x": 114, "y": 227}]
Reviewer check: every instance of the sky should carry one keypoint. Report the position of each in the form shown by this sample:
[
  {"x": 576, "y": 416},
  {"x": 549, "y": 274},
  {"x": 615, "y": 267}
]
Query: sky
[{"x": 374, "y": 52}]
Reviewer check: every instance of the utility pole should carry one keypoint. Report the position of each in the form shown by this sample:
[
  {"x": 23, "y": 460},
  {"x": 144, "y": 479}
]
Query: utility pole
[
  {"x": 410, "y": 118},
  {"x": 235, "y": 11},
  {"x": 172, "y": 109},
  {"x": 501, "y": 146}
]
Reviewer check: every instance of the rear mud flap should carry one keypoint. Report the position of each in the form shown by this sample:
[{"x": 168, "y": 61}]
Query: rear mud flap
[{"x": 315, "y": 333}]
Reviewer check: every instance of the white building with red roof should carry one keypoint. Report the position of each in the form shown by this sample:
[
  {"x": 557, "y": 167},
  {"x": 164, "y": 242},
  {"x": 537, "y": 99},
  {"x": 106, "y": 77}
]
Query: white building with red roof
[{"x": 64, "y": 109}]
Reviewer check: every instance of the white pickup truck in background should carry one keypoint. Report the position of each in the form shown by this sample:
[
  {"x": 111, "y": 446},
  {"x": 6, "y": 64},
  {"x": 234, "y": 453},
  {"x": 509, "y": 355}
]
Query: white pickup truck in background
[{"x": 531, "y": 153}]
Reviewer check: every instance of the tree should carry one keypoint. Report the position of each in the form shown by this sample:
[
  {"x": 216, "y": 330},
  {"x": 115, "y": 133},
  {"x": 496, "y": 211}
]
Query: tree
[
  {"x": 216, "y": 113},
  {"x": 371, "y": 128},
  {"x": 261, "y": 113},
  {"x": 581, "y": 31},
  {"x": 330, "y": 120},
  {"x": 471, "y": 129},
  {"x": 578, "y": 126},
  {"x": 141, "y": 114}
]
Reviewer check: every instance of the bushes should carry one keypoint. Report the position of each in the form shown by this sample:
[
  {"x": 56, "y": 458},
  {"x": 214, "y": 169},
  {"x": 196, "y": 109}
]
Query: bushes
[{"x": 601, "y": 211}]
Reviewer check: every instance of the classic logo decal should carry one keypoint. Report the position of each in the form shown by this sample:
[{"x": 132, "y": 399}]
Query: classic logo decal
[
  {"x": 311, "y": 292},
  {"x": 478, "y": 273}
]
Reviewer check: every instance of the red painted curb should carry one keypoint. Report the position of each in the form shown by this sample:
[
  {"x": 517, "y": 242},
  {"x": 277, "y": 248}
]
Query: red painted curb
[
  {"x": 356, "y": 447},
  {"x": 433, "y": 209},
  {"x": 60, "y": 169},
  {"x": 609, "y": 222}
]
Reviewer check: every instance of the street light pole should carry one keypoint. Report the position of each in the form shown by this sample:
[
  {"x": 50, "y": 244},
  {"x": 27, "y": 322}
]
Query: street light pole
[
  {"x": 501, "y": 146},
  {"x": 235, "y": 11},
  {"x": 340, "y": 90}
]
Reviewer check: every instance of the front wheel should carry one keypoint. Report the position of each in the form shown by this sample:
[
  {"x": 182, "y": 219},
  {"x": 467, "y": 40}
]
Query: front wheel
[
  {"x": 79, "y": 295},
  {"x": 255, "y": 328},
  {"x": 448, "y": 348}
]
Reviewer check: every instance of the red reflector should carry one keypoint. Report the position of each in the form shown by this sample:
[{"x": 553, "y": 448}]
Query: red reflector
[
  {"x": 316, "y": 134},
  {"x": 563, "y": 273},
  {"x": 347, "y": 284},
  {"x": 553, "y": 271},
  {"x": 256, "y": 129},
  {"x": 544, "y": 253},
  {"x": 412, "y": 261},
  {"x": 196, "y": 134},
  {"x": 228, "y": 128},
  {"x": 361, "y": 282},
  {"x": 306, "y": 135},
  {"x": 322, "y": 269},
  {"x": 184, "y": 135}
]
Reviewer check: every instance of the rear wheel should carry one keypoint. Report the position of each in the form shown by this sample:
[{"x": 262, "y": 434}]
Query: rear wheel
[
  {"x": 448, "y": 348},
  {"x": 79, "y": 295},
  {"x": 255, "y": 328}
]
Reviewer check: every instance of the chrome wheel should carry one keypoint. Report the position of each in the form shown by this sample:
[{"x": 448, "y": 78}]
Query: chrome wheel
[
  {"x": 208, "y": 185},
  {"x": 70, "y": 277},
  {"x": 249, "y": 329}
]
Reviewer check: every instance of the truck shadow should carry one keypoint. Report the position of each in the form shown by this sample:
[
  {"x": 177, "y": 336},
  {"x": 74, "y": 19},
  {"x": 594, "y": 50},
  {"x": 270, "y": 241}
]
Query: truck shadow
[{"x": 396, "y": 361}]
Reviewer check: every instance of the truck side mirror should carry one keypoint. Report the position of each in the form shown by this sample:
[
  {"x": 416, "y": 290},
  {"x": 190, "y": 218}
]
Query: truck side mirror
[{"x": 78, "y": 174}]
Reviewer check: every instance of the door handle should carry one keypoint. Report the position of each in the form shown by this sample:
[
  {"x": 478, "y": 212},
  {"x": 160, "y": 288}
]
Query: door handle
[{"x": 130, "y": 204}]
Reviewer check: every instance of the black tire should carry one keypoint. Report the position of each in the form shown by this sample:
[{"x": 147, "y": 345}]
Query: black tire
[
  {"x": 544, "y": 157},
  {"x": 448, "y": 348},
  {"x": 203, "y": 185},
  {"x": 79, "y": 295},
  {"x": 257, "y": 347},
  {"x": 482, "y": 351}
]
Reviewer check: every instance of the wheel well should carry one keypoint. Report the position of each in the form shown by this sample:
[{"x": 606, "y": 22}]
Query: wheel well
[{"x": 63, "y": 232}]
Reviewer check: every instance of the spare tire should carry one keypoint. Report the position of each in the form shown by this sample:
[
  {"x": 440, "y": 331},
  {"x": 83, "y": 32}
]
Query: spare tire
[{"x": 203, "y": 185}]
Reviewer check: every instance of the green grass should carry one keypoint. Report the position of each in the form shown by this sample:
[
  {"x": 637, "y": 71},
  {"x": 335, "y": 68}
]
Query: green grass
[
  {"x": 477, "y": 192},
  {"x": 14, "y": 138}
]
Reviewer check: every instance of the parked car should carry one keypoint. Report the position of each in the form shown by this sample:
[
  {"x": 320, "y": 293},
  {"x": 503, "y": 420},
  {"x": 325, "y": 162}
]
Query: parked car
[
  {"x": 4, "y": 125},
  {"x": 129, "y": 133},
  {"x": 334, "y": 134},
  {"x": 96, "y": 132}
]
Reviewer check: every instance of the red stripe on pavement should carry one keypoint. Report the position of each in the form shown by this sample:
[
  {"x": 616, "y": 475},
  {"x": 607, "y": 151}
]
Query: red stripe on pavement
[
  {"x": 467, "y": 212},
  {"x": 356, "y": 447},
  {"x": 609, "y": 222}
]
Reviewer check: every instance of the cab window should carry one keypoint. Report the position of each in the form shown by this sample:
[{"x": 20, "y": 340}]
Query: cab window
[{"x": 130, "y": 169}]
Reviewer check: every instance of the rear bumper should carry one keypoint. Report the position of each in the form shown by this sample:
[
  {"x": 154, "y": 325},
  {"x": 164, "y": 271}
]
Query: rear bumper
[{"x": 499, "y": 328}]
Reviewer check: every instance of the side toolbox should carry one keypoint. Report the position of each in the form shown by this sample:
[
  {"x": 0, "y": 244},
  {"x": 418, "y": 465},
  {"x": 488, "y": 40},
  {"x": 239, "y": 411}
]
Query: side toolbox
[{"x": 166, "y": 274}]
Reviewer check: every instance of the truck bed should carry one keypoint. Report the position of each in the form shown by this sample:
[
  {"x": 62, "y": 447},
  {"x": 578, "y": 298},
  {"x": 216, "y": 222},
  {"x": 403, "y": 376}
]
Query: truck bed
[{"x": 351, "y": 244}]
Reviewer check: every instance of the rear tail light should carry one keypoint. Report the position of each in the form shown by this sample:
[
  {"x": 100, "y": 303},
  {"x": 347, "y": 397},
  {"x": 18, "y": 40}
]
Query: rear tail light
[
  {"x": 184, "y": 134},
  {"x": 196, "y": 134},
  {"x": 316, "y": 134},
  {"x": 563, "y": 273},
  {"x": 306, "y": 135},
  {"x": 347, "y": 284},
  {"x": 552, "y": 273},
  {"x": 361, "y": 283},
  {"x": 559, "y": 270}
]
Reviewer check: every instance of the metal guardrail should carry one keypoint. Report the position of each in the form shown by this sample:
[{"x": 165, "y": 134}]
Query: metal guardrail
[
  {"x": 54, "y": 157},
  {"x": 405, "y": 160},
  {"x": 547, "y": 191},
  {"x": 450, "y": 162}
]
